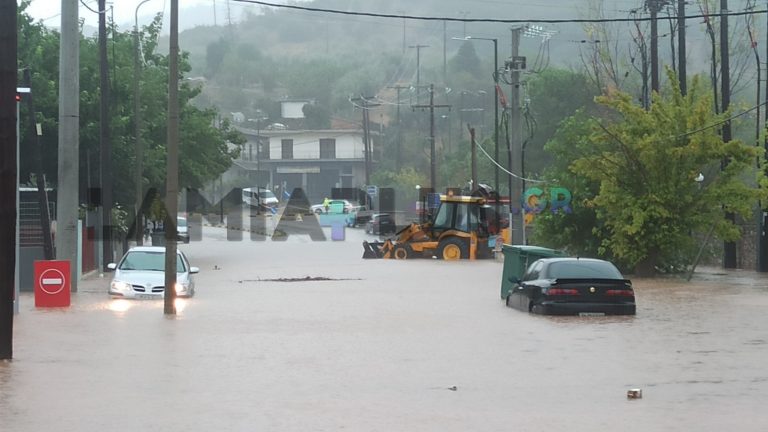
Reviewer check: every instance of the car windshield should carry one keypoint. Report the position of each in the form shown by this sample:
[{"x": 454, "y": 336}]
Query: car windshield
[
  {"x": 149, "y": 261},
  {"x": 266, "y": 194},
  {"x": 582, "y": 269},
  {"x": 181, "y": 222}
]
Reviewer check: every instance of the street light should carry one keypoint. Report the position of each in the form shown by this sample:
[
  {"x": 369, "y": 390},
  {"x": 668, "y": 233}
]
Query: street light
[
  {"x": 137, "y": 122},
  {"x": 495, "y": 114}
]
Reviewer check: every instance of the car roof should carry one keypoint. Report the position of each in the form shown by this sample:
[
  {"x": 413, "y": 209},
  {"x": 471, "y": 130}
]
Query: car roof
[
  {"x": 572, "y": 259},
  {"x": 150, "y": 249}
]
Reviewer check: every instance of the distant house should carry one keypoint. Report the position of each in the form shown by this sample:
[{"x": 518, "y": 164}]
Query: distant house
[
  {"x": 314, "y": 160},
  {"x": 293, "y": 108}
]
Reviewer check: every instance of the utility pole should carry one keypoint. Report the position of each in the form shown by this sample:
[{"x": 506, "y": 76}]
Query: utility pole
[
  {"x": 402, "y": 12},
  {"x": 432, "y": 150},
  {"x": 365, "y": 105},
  {"x": 104, "y": 139},
  {"x": 473, "y": 150},
  {"x": 367, "y": 145},
  {"x": 654, "y": 6},
  {"x": 8, "y": 203},
  {"x": 138, "y": 179},
  {"x": 418, "y": 70},
  {"x": 445, "y": 55},
  {"x": 399, "y": 127},
  {"x": 172, "y": 163},
  {"x": 681, "y": 67},
  {"x": 42, "y": 194},
  {"x": 729, "y": 248},
  {"x": 762, "y": 246},
  {"x": 515, "y": 164},
  {"x": 67, "y": 193}
]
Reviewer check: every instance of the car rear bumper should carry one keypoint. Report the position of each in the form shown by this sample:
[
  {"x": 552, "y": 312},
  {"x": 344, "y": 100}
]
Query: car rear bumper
[{"x": 574, "y": 308}]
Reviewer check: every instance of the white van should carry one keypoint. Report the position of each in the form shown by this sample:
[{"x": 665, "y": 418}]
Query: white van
[{"x": 259, "y": 197}]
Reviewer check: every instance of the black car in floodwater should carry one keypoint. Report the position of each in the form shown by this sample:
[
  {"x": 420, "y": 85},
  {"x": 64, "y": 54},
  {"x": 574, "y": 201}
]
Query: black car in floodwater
[{"x": 573, "y": 286}]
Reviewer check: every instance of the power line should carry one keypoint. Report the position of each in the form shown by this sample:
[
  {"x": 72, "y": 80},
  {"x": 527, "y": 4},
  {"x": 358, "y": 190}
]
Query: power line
[{"x": 489, "y": 20}]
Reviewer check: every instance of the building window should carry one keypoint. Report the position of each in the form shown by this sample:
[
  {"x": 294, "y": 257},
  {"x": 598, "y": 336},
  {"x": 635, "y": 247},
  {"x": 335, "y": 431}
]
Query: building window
[
  {"x": 327, "y": 148},
  {"x": 263, "y": 149},
  {"x": 287, "y": 145}
]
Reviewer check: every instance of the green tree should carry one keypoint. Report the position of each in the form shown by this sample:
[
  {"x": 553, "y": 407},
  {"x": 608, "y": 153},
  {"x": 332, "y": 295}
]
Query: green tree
[
  {"x": 207, "y": 145},
  {"x": 548, "y": 108},
  {"x": 580, "y": 231},
  {"x": 646, "y": 162}
]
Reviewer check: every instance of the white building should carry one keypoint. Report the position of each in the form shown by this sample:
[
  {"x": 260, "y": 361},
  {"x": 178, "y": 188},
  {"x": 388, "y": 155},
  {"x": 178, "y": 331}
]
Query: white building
[{"x": 315, "y": 160}]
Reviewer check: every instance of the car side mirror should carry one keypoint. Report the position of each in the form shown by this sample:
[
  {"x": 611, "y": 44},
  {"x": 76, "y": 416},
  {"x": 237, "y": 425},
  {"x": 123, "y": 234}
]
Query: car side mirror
[
  {"x": 111, "y": 266},
  {"x": 193, "y": 270}
]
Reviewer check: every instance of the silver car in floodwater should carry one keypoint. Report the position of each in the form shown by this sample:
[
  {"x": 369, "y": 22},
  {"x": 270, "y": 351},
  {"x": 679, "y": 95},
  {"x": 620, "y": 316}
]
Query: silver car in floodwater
[{"x": 140, "y": 274}]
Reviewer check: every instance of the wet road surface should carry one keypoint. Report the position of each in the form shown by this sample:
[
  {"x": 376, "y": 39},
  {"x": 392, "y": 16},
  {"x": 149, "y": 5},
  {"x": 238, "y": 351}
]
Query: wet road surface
[{"x": 420, "y": 345}]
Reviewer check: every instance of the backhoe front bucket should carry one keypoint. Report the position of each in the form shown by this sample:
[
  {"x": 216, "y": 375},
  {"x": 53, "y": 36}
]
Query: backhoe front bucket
[
  {"x": 372, "y": 250},
  {"x": 377, "y": 249}
]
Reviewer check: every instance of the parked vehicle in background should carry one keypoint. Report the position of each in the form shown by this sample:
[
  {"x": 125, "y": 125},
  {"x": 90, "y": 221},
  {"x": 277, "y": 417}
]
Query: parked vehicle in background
[
  {"x": 334, "y": 206},
  {"x": 359, "y": 216},
  {"x": 380, "y": 224},
  {"x": 140, "y": 274},
  {"x": 572, "y": 286},
  {"x": 182, "y": 229},
  {"x": 260, "y": 198}
]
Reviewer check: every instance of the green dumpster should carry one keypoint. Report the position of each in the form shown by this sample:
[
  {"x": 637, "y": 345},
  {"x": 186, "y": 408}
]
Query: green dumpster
[{"x": 517, "y": 258}]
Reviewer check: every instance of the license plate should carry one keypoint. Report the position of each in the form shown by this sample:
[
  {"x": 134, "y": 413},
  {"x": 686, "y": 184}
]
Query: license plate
[
  {"x": 146, "y": 296},
  {"x": 591, "y": 314}
]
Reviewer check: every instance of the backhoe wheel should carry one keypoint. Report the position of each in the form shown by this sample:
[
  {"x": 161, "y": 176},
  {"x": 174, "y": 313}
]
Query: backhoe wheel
[
  {"x": 452, "y": 249},
  {"x": 402, "y": 251}
]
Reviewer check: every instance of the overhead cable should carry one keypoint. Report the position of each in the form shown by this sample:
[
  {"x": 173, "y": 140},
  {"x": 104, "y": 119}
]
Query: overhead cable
[{"x": 488, "y": 20}]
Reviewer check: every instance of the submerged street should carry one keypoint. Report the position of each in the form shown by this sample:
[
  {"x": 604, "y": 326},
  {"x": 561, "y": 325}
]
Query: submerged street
[{"x": 417, "y": 345}]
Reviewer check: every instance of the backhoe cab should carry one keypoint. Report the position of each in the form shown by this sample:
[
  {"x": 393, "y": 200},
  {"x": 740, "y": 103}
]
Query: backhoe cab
[{"x": 459, "y": 229}]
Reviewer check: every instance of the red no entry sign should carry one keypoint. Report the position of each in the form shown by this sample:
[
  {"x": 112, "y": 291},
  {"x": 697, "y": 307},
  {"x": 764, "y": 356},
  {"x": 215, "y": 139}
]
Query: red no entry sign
[{"x": 52, "y": 284}]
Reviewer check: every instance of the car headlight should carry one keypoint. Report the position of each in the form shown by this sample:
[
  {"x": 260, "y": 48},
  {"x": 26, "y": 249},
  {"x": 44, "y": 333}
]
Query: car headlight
[
  {"x": 181, "y": 287},
  {"x": 120, "y": 286}
]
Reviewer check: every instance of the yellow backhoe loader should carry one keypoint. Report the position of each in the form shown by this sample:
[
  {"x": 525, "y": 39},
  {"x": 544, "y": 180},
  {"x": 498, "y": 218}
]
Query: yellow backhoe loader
[{"x": 459, "y": 229}]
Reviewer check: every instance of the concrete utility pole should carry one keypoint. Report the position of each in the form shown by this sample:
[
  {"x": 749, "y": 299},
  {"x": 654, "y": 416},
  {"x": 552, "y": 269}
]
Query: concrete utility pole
[
  {"x": 762, "y": 246},
  {"x": 432, "y": 150},
  {"x": 68, "y": 200},
  {"x": 366, "y": 105},
  {"x": 104, "y": 139},
  {"x": 138, "y": 179},
  {"x": 729, "y": 248},
  {"x": 516, "y": 221},
  {"x": 655, "y": 6},
  {"x": 172, "y": 163},
  {"x": 445, "y": 54},
  {"x": 402, "y": 12},
  {"x": 681, "y": 66},
  {"x": 399, "y": 127},
  {"x": 473, "y": 150},
  {"x": 8, "y": 203}
]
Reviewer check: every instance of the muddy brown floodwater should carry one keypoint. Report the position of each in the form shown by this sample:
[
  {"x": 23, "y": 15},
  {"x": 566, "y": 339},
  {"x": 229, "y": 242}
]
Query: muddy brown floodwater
[{"x": 418, "y": 345}]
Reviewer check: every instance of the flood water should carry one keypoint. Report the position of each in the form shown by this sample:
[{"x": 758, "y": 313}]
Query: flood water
[{"x": 418, "y": 345}]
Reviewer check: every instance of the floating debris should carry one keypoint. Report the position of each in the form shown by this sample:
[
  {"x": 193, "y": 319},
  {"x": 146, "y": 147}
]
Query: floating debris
[{"x": 298, "y": 279}]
